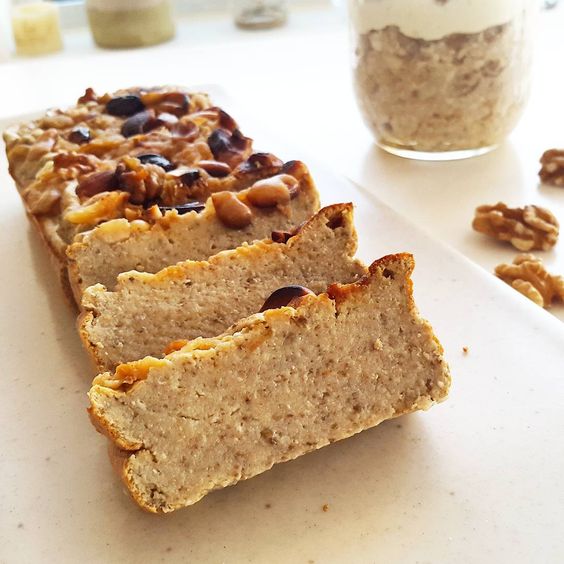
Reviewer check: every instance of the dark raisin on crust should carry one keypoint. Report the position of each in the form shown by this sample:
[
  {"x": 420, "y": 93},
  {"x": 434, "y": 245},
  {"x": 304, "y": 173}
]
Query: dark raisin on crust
[
  {"x": 227, "y": 146},
  {"x": 284, "y": 296},
  {"x": 185, "y": 208},
  {"x": 125, "y": 106},
  {"x": 79, "y": 135},
  {"x": 155, "y": 159}
]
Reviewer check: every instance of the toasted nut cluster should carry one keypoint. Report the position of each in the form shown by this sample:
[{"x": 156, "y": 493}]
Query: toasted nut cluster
[
  {"x": 527, "y": 228},
  {"x": 529, "y": 276},
  {"x": 231, "y": 211},
  {"x": 552, "y": 170},
  {"x": 274, "y": 191}
]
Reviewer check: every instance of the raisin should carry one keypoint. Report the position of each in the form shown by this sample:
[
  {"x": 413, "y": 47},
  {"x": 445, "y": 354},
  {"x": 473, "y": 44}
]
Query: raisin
[
  {"x": 125, "y": 106},
  {"x": 155, "y": 159},
  {"x": 79, "y": 135},
  {"x": 285, "y": 296}
]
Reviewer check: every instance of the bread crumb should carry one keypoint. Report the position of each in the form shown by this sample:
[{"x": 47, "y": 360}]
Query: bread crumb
[
  {"x": 378, "y": 346},
  {"x": 325, "y": 507},
  {"x": 465, "y": 350}
]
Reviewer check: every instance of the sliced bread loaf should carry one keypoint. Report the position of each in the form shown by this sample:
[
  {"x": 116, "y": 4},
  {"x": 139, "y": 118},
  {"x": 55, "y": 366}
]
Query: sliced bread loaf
[
  {"x": 193, "y": 299},
  {"x": 228, "y": 220},
  {"x": 273, "y": 387}
]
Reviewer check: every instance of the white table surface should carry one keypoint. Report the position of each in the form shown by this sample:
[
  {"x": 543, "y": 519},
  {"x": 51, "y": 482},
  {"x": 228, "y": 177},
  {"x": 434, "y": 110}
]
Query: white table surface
[
  {"x": 298, "y": 79},
  {"x": 494, "y": 449}
]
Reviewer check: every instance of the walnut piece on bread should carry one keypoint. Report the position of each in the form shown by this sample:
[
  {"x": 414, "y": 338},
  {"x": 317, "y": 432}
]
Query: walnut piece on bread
[
  {"x": 526, "y": 228},
  {"x": 552, "y": 169},
  {"x": 529, "y": 276}
]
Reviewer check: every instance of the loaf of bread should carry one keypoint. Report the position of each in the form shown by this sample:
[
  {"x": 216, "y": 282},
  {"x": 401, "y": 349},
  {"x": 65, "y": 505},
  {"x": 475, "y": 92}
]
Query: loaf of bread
[
  {"x": 273, "y": 387},
  {"x": 193, "y": 299},
  {"x": 143, "y": 157},
  {"x": 99, "y": 255}
]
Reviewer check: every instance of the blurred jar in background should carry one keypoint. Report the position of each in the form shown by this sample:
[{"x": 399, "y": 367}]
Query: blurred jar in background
[
  {"x": 260, "y": 14},
  {"x": 130, "y": 23},
  {"x": 36, "y": 28},
  {"x": 441, "y": 79}
]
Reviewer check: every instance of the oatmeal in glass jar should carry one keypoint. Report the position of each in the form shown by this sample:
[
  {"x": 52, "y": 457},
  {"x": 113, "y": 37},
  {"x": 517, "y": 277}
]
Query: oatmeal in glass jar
[{"x": 441, "y": 79}]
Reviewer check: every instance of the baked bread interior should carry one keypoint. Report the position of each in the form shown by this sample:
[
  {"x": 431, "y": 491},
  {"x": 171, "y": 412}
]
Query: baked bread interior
[
  {"x": 193, "y": 299},
  {"x": 273, "y": 387}
]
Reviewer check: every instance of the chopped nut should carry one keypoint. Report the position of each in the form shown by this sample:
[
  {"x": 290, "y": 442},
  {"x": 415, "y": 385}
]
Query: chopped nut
[
  {"x": 109, "y": 206},
  {"x": 231, "y": 211},
  {"x": 229, "y": 147},
  {"x": 552, "y": 170},
  {"x": 175, "y": 346},
  {"x": 465, "y": 350},
  {"x": 97, "y": 183},
  {"x": 529, "y": 276},
  {"x": 527, "y": 228},
  {"x": 325, "y": 507},
  {"x": 114, "y": 231},
  {"x": 274, "y": 191},
  {"x": 215, "y": 168}
]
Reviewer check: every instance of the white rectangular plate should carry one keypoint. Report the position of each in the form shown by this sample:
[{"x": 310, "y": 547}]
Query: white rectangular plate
[{"x": 476, "y": 479}]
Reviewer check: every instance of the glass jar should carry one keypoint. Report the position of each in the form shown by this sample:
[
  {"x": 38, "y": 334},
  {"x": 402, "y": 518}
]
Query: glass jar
[
  {"x": 441, "y": 79},
  {"x": 260, "y": 14},
  {"x": 130, "y": 23}
]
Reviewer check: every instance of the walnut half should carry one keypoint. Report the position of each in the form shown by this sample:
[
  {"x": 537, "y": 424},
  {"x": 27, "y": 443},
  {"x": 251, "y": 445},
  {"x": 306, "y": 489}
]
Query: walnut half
[
  {"x": 552, "y": 169},
  {"x": 527, "y": 228},
  {"x": 529, "y": 276}
]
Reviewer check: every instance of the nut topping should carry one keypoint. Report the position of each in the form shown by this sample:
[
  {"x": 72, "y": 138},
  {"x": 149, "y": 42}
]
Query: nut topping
[
  {"x": 96, "y": 183},
  {"x": 226, "y": 121},
  {"x": 231, "y": 211},
  {"x": 274, "y": 191},
  {"x": 176, "y": 103},
  {"x": 88, "y": 96},
  {"x": 159, "y": 160},
  {"x": 266, "y": 162},
  {"x": 280, "y": 236},
  {"x": 527, "y": 228},
  {"x": 552, "y": 171},
  {"x": 286, "y": 296},
  {"x": 125, "y": 106},
  {"x": 529, "y": 276},
  {"x": 228, "y": 147},
  {"x": 139, "y": 123},
  {"x": 79, "y": 135},
  {"x": 215, "y": 168},
  {"x": 185, "y": 208}
]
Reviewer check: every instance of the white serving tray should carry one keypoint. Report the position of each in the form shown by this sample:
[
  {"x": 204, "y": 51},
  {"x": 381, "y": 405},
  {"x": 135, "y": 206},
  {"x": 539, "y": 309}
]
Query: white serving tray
[{"x": 476, "y": 479}]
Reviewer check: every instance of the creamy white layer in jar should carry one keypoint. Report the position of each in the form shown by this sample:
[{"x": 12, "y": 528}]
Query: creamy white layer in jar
[{"x": 433, "y": 19}]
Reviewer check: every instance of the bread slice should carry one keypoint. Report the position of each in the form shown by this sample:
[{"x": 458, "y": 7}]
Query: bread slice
[
  {"x": 193, "y": 299},
  {"x": 273, "y": 387},
  {"x": 98, "y": 256}
]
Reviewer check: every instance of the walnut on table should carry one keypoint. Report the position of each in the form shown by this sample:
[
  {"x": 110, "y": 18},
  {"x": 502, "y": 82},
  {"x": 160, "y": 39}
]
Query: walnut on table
[
  {"x": 526, "y": 228},
  {"x": 529, "y": 276},
  {"x": 552, "y": 169}
]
